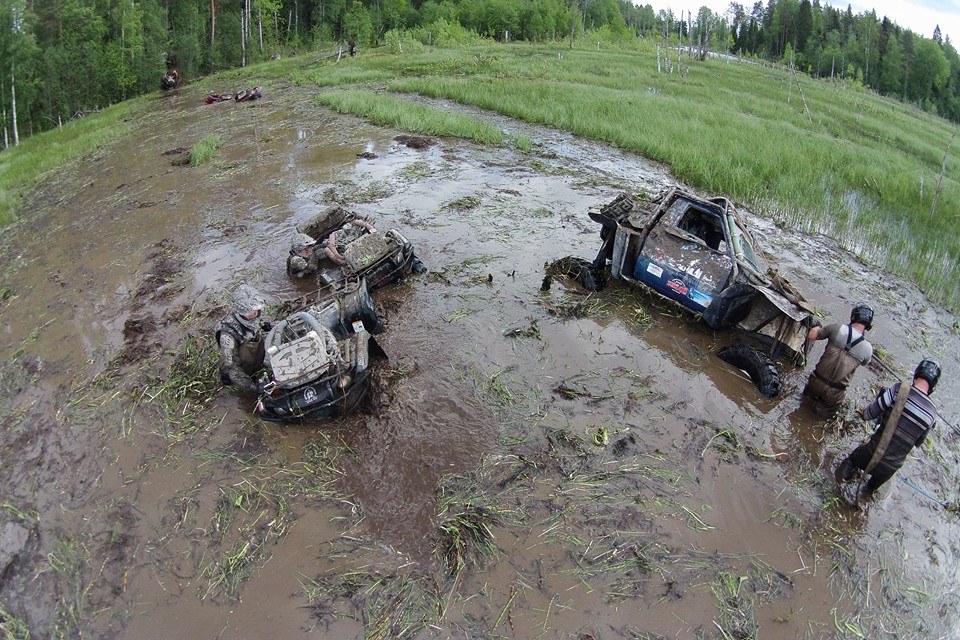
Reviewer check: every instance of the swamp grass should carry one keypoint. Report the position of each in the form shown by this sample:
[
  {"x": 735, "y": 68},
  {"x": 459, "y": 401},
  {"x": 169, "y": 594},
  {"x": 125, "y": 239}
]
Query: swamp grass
[
  {"x": 204, "y": 150},
  {"x": 410, "y": 116},
  {"x": 858, "y": 167}
]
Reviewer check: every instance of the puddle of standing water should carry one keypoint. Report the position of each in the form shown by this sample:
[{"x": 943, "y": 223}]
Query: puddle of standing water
[{"x": 702, "y": 482}]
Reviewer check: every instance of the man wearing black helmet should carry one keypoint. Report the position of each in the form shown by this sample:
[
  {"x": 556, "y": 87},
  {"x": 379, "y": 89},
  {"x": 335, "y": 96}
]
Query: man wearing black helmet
[
  {"x": 903, "y": 424},
  {"x": 847, "y": 349}
]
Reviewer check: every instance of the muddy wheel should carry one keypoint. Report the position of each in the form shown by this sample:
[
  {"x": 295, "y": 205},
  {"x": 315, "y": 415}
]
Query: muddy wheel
[
  {"x": 762, "y": 370},
  {"x": 590, "y": 277}
]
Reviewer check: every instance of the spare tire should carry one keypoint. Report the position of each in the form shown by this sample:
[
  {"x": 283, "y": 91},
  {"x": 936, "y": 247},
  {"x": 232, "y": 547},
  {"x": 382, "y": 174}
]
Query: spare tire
[{"x": 762, "y": 370}]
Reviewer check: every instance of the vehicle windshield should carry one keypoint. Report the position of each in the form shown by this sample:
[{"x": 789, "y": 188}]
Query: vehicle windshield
[{"x": 705, "y": 225}]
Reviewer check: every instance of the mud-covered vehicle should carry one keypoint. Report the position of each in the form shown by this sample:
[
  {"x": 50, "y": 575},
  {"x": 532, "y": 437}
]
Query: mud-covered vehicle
[
  {"x": 698, "y": 253},
  {"x": 318, "y": 356},
  {"x": 337, "y": 243}
]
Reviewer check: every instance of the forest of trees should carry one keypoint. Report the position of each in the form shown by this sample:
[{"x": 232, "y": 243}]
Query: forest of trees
[{"x": 60, "y": 58}]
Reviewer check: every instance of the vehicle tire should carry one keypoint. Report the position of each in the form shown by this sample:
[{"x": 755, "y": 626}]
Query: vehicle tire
[
  {"x": 590, "y": 277},
  {"x": 762, "y": 370}
]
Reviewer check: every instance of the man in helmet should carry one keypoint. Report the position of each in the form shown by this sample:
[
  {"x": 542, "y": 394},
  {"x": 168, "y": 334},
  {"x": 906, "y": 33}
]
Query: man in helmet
[
  {"x": 304, "y": 258},
  {"x": 240, "y": 337},
  {"x": 847, "y": 349},
  {"x": 306, "y": 253},
  {"x": 907, "y": 421}
]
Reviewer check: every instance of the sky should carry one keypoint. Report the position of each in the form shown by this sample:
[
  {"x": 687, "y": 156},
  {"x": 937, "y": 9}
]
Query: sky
[{"x": 920, "y": 16}]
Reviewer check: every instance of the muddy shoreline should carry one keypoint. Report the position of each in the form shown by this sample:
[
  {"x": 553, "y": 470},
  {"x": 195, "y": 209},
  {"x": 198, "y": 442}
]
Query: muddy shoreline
[{"x": 135, "y": 501}]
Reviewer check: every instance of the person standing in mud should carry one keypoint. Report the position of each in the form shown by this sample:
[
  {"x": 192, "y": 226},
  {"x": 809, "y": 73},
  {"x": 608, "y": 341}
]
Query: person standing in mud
[
  {"x": 904, "y": 422},
  {"x": 240, "y": 338},
  {"x": 847, "y": 349}
]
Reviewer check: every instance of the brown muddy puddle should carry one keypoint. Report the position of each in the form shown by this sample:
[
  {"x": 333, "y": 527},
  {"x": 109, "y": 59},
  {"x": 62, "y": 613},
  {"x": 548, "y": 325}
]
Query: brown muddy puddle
[{"x": 135, "y": 510}]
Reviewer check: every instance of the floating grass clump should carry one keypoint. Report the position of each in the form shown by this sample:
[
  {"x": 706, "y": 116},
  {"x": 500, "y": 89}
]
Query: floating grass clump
[
  {"x": 69, "y": 562},
  {"x": 204, "y": 150},
  {"x": 192, "y": 382},
  {"x": 464, "y": 531},
  {"x": 12, "y": 627},
  {"x": 391, "y": 604}
]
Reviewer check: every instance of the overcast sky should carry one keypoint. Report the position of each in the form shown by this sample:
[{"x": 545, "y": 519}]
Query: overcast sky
[{"x": 920, "y": 16}]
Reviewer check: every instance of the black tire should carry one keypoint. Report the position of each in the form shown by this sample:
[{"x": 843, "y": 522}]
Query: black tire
[
  {"x": 592, "y": 279},
  {"x": 762, "y": 370}
]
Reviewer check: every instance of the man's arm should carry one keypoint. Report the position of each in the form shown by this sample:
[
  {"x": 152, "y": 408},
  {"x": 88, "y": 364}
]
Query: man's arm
[
  {"x": 881, "y": 404},
  {"x": 231, "y": 367}
]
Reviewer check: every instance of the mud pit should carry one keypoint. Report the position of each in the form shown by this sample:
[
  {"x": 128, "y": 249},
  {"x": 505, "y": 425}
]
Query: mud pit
[{"x": 631, "y": 483}]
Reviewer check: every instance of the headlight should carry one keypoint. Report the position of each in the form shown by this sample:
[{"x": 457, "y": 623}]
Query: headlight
[{"x": 345, "y": 381}]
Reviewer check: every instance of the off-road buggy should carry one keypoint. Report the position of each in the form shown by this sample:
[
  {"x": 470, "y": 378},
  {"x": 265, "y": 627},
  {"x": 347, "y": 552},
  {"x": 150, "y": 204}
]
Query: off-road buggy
[
  {"x": 698, "y": 253},
  {"x": 317, "y": 357},
  {"x": 380, "y": 258}
]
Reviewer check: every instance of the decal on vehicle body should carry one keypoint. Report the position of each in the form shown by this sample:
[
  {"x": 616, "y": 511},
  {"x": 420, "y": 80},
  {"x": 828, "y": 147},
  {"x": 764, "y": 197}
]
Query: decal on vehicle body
[
  {"x": 655, "y": 270},
  {"x": 677, "y": 285},
  {"x": 700, "y": 298}
]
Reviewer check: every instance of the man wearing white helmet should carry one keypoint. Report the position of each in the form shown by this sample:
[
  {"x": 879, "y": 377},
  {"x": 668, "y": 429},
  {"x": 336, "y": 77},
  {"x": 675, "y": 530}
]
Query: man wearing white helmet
[
  {"x": 240, "y": 337},
  {"x": 306, "y": 254},
  {"x": 304, "y": 258}
]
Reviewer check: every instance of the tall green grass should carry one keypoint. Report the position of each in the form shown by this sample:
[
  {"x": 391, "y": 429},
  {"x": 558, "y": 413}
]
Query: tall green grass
[
  {"x": 410, "y": 116},
  {"x": 857, "y": 167},
  {"x": 23, "y": 166},
  {"x": 204, "y": 150}
]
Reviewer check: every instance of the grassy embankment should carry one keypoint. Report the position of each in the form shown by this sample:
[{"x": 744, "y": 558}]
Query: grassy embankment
[
  {"x": 22, "y": 167},
  {"x": 859, "y": 168}
]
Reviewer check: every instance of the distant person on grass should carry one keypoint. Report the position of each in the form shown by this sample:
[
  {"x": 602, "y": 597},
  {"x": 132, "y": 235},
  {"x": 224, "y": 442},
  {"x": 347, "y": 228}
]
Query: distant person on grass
[
  {"x": 847, "y": 349},
  {"x": 904, "y": 421}
]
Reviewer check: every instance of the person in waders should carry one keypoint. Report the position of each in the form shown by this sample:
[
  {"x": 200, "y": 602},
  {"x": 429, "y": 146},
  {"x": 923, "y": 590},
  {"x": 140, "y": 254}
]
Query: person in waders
[
  {"x": 240, "y": 338},
  {"x": 847, "y": 349},
  {"x": 904, "y": 421}
]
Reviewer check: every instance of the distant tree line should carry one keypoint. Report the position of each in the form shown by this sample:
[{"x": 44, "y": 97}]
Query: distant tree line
[{"x": 61, "y": 58}]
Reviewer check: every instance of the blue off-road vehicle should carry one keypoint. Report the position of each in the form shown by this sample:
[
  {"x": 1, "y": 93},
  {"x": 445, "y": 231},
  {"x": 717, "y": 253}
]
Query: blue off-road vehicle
[{"x": 698, "y": 253}]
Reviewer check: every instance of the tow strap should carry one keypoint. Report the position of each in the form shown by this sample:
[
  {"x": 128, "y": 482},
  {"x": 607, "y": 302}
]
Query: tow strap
[
  {"x": 850, "y": 345},
  {"x": 890, "y": 426}
]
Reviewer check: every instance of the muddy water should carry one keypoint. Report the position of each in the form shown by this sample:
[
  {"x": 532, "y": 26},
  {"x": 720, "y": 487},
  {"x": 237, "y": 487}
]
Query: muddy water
[{"x": 703, "y": 483}]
